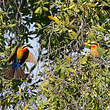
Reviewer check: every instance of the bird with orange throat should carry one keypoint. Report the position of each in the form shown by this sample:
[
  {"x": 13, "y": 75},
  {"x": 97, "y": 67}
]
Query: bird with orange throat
[
  {"x": 19, "y": 55},
  {"x": 94, "y": 49}
]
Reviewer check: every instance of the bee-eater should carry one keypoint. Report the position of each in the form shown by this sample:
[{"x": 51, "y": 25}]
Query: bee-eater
[
  {"x": 94, "y": 49},
  {"x": 19, "y": 55}
]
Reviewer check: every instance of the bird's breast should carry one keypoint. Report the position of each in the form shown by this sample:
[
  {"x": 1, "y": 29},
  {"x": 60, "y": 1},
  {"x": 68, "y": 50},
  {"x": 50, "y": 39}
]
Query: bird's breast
[
  {"x": 94, "y": 52},
  {"x": 19, "y": 53}
]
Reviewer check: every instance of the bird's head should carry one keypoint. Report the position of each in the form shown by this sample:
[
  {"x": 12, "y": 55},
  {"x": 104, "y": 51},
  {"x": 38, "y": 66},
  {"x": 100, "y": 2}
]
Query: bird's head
[
  {"x": 24, "y": 48},
  {"x": 93, "y": 47},
  {"x": 92, "y": 44}
]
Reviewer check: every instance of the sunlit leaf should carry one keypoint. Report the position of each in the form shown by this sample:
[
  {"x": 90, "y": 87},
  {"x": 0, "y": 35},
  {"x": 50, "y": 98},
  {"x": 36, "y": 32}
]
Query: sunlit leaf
[
  {"x": 38, "y": 10},
  {"x": 45, "y": 8},
  {"x": 19, "y": 90},
  {"x": 54, "y": 18}
]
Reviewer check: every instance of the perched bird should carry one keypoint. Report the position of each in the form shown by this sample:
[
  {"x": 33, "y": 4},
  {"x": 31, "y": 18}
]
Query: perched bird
[
  {"x": 19, "y": 55},
  {"x": 94, "y": 49}
]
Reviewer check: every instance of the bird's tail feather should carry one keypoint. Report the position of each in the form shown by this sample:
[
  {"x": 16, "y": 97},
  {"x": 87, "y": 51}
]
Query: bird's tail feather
[
  {"x": 19, "y": 74},
  {"x": 10, "y": 73}
]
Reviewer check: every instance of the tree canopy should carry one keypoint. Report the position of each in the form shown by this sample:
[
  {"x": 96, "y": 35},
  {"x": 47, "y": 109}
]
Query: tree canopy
[{"x": 70, "y": 78}]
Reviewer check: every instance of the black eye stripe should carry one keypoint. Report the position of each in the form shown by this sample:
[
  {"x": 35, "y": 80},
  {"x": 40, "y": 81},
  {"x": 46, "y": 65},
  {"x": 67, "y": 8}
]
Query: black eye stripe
[
  {"x": 94, "y": 44},
  {"x": 24, "y": 47}
]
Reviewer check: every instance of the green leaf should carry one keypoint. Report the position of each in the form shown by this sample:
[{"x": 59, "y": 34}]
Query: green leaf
[
  {"x": 45, "y": 8},
  {"x": 62, "y": 73},
  {"x": 72, "y": 34},
  {"x": 38, "y": 10},
  {"x": 71, "y": 70},
  {"x": 54, "y": 18},
  {"x": 26, "y": 107},
  {"x": 84, "y": 60},
  {"x": 98, "y": 28},
  {"x": 11, "y": 25}
]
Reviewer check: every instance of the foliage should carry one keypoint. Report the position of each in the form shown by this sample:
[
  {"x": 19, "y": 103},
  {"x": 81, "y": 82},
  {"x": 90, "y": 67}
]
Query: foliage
[
  {"x": 72, "y": 78},
  {"x": 76, "y": 86}
]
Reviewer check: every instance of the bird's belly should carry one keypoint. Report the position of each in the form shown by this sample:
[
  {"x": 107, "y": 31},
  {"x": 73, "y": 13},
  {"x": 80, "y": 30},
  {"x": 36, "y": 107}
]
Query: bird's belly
[{"x": 94, "y": 53}]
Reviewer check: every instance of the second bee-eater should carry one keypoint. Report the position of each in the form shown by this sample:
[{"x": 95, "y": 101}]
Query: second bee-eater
[{"x": 94, "y": 49}]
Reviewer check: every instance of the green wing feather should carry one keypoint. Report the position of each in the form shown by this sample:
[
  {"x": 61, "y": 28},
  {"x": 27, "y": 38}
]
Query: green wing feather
[
  {"x": 100, "y": 51},
  {"x": 13, "y": 54}
]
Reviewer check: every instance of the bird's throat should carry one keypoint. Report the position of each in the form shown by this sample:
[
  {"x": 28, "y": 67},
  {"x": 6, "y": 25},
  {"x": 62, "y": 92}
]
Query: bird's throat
[
  {"x": 94, "y": 51},
  {"x": 19, "y": 53}
]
